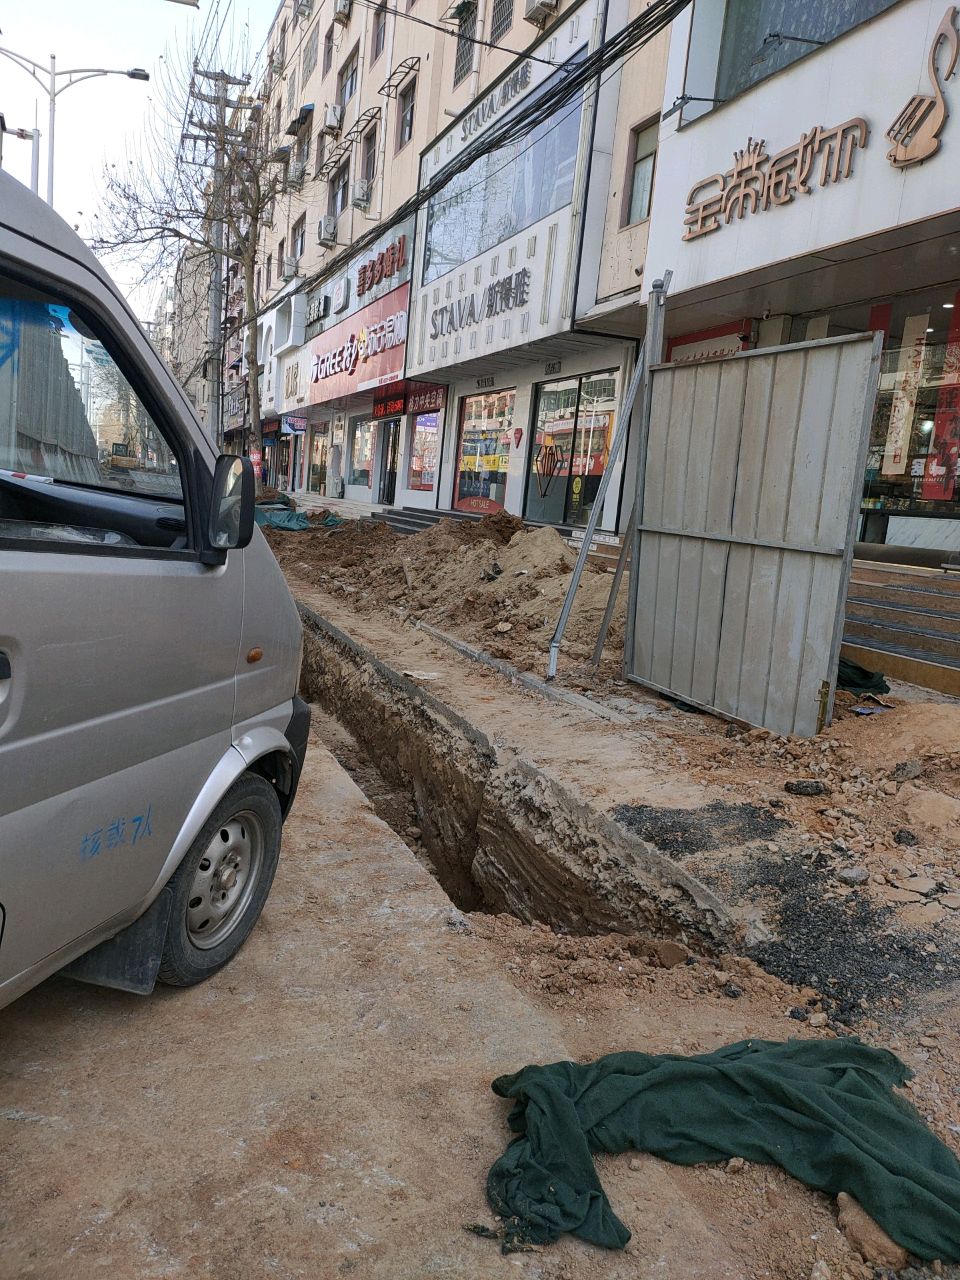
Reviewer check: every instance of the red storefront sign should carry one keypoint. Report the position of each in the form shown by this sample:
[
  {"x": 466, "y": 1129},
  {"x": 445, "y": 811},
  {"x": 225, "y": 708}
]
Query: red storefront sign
[
  {"x": 425, "y": 397},
  {"x": 940, "y": 472},
  {"x": 391, "y": 406},
  {"x": 366, "y": 351}
]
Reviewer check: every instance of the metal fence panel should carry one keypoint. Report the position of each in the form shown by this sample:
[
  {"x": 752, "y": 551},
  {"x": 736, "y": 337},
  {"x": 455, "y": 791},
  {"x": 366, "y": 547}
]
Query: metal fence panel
[{"x": 752, "y": 483}]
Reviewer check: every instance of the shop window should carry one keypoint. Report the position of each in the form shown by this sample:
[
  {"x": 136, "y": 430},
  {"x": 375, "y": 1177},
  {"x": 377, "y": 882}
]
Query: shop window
[
  {"x": 328, "y": 49},
  {"x": 483, "y": 455},
  {"x": 347, "y": 79},
  {"x": 763, "y": 36},
  {"x": 424, "y": 452},
  {"x": 505, "y": 191},
  {"x": 339, "y": 186},
  {"x": 573, "y": 429},
  {"x": 310, "y": 51},
  {"x": 360, "y": 459},
  {"x": 501, "y": 19},
  {"x": 912, "y": 462},
  {"x": 406, "y": 106},
  {"x": 368, "y": 154},
  {"x": 643, "y": 154},
  {"x": 466, "y": 33},
  {"x": 379, "y": 31},
  {"x": 298, "y": 239}
]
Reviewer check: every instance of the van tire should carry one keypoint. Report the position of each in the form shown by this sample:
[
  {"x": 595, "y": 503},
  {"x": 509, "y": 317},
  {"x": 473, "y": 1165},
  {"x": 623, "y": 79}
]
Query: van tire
[{"x": 240, "y": 845}]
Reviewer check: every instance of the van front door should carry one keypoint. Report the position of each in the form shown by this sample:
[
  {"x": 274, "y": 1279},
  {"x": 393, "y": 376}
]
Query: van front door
[{"x": 118, "y": 648}]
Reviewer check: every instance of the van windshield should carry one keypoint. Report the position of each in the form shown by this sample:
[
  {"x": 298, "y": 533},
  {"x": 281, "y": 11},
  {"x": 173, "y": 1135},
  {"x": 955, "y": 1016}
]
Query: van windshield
[{"x": 67, "y": 412}]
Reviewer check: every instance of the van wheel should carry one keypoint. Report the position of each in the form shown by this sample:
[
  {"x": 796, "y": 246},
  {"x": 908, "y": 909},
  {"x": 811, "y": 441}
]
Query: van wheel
[{"x": 220, "y": 887}]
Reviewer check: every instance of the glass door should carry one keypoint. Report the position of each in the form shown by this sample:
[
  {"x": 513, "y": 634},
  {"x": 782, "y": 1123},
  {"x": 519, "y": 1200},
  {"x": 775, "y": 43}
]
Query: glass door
[
  {"x": 573, "y": 428},
  {"x": 388, "y": 460},
  {"x": 483, "y": 456}
]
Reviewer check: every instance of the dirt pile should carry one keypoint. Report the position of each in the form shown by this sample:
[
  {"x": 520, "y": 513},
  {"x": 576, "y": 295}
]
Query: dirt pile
[{"x": 491, "y": 581}]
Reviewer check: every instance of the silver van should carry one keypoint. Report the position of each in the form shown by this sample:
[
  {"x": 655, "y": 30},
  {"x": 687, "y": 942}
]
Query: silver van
[{"x": 151, "y": 739}]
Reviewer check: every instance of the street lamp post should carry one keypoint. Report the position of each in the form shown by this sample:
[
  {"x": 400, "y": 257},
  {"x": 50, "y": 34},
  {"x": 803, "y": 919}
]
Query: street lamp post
[{"x": 74, "y": 76}]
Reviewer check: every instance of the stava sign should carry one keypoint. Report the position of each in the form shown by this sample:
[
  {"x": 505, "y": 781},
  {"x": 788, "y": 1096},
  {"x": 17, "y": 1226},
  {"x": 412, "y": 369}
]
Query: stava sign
[{"x": 362, "y": 353}]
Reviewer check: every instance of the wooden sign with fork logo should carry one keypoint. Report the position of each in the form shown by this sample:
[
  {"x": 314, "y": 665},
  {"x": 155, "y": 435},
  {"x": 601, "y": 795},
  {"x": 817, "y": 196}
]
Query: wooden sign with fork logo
[{"x": 915, "y": 133}]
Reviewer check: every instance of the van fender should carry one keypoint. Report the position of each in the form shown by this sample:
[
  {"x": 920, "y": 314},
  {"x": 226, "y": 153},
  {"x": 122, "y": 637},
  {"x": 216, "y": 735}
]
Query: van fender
[{"x": 130, "y": 959}]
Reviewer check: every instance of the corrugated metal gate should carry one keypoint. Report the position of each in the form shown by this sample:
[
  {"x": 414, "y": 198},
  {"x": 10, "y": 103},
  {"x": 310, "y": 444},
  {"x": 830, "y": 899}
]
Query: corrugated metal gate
[{"x": 752, "y": 480}]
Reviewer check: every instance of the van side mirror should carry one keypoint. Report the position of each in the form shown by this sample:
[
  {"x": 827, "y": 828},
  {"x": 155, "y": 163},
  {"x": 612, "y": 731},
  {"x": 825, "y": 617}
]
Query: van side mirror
[{"x": 231, "y": 520}]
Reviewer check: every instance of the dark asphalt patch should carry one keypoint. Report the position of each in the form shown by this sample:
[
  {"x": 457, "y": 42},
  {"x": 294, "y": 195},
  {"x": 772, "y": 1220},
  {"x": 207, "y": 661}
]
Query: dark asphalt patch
[
  {"x": 678, "y": 832},
  {"x": 840, "y": 946}
]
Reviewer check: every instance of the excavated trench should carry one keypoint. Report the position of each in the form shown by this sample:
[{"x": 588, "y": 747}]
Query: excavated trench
[{"x": 497, "y": 833}]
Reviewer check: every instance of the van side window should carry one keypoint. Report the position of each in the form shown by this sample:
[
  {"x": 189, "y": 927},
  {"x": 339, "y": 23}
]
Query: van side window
[{"x": 74, "y": 433}]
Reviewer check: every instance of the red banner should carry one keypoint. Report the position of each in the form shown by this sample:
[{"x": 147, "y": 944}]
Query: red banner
[{"x": 940, "y": 473}]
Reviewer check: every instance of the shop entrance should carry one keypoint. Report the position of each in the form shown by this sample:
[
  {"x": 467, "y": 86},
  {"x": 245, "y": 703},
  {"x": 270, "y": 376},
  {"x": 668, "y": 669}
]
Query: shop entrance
[
  {"x": 389, "y": 457},
  {"x": 574, "y": 424},
  {"x": 483, "y": 456},
  {"x": 317, "y": 474}
]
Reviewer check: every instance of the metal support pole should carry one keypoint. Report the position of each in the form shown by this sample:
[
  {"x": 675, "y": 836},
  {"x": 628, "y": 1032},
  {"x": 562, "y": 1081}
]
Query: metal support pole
[
  {"x": 35, "y": 162},
  {"x": 619, "y": 439},
  {"x": 614, "y": 587},
  {"x": 52, "y": 91},
  {"x": 215, "y": 332},
  {"x": 655, "y": 319}
]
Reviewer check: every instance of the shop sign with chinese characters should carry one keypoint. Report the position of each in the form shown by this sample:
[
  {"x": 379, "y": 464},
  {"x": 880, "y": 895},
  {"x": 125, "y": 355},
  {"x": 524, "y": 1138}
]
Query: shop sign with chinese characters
[
  {"x": 758, "y": 182},
  {"x": 379, "y": 271},
  {"x": 424, "y": 397},
  {"x": 496, "y": 298},
  {"x": 364, "y": 352},
  {"x": 388, "y": 263}
]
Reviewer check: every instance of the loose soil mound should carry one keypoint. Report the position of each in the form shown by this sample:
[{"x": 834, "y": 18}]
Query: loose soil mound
[{"x": 491, "y": 581}]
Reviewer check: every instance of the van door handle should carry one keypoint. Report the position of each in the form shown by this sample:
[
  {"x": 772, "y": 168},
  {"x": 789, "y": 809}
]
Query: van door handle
[{"x": 6, "y": 671}]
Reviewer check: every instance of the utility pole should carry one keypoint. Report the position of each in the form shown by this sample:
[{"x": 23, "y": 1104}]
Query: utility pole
[{"x": 214, "y": 133}]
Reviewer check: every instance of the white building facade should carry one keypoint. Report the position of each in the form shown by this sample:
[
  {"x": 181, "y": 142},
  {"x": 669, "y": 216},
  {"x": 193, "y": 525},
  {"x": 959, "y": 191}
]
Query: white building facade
[{"x": 806, "y": 187}]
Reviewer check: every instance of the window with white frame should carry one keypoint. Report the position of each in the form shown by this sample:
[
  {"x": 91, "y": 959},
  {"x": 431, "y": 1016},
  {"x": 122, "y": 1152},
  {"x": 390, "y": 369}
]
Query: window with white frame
[
  {"x": 501, "y": 19},
  {"x": 347, "y": 79},
  {"x": 310, "y": 50},
  {"x": 642, "y": 161},
  {"x": 379, "y": 31},
  {"x": 406, "y": 105},
  {"x": 368, "y": 154},
  {"x": 298, "y": 237},
  {"x": 463, "y": 58},
  {"x": 339, "y": 188}
]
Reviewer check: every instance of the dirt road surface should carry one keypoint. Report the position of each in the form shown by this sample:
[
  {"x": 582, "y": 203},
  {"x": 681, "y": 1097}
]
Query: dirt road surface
[{"x": 322, "y": 1107}]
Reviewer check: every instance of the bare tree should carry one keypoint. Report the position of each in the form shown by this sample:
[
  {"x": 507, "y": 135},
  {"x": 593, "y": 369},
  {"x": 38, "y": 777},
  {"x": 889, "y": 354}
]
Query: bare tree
[{"x": 201, "y": 183}]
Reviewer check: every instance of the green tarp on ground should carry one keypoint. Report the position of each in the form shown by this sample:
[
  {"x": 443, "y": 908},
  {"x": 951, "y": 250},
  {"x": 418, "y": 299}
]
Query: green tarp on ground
[
  {"x": 824, "y": 1110},
  {"x": 281, "y": 518}
]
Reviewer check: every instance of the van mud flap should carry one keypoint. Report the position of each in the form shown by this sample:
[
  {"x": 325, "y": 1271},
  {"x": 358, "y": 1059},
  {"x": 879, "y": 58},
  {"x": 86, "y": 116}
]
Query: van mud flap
[{"x": 129, "y": 961}]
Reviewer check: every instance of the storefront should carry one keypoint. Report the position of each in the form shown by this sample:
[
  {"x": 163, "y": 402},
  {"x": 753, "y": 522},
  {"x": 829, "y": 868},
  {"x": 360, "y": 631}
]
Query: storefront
[
  {"x": 531, "y": 405},
  {"x": 356, "y": 400},
  {"x": 816, "y": 232}
]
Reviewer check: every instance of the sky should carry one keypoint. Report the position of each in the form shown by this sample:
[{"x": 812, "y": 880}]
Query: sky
[{"x": 100, "y": 119}]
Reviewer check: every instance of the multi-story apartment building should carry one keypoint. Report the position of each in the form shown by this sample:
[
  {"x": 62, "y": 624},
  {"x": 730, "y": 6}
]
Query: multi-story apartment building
[{"x": 471, "y": 356}]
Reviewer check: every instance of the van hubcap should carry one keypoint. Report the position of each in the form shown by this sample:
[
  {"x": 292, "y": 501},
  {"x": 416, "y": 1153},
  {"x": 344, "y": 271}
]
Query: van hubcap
[{"x": 225, "y": 880}]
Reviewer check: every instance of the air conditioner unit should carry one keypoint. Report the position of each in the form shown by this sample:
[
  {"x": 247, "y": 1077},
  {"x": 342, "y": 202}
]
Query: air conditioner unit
[
  {"x": 332, "y": 117},
  {"x": 327, "y": 230},
  {"x": 539, "y": 12},
  {"x": 296, "y": 175},
  {"x": 341, "y": 11},
  {"x": 360, "y": 195},
  {"x": 290, "y": 269}
]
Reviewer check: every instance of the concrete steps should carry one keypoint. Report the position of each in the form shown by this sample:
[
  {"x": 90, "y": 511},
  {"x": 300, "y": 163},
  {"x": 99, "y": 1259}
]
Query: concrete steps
[{"x": 905, "y": 621}]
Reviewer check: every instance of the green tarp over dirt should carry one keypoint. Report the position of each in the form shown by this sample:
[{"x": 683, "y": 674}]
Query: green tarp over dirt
[
  {"x": 824, "y": 1110},
  {"x": 857, "y": 679},
  {"x": 292, "y": 521}
]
